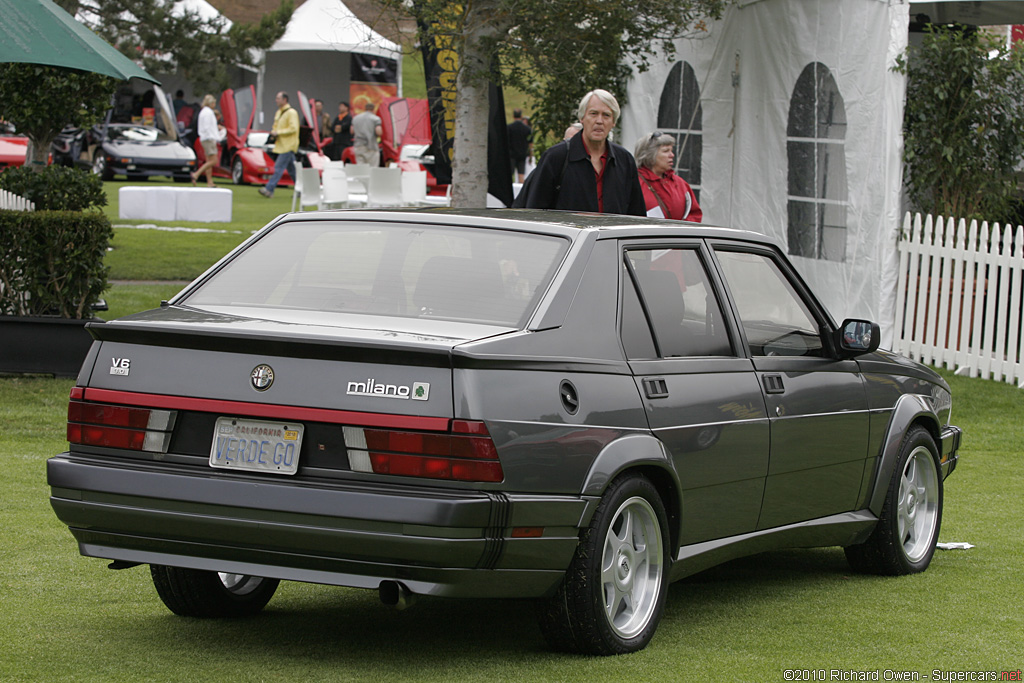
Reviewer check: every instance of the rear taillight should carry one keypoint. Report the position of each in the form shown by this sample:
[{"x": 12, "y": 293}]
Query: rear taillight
[
  {"x": 114, "y": 426},
  {"x": 464, "y": 453}
]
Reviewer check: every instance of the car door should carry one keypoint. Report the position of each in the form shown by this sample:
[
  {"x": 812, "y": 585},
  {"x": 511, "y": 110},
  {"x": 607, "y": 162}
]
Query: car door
[
  {"x": 701, "y": 397},
  {"x": 817, "y": 405}
]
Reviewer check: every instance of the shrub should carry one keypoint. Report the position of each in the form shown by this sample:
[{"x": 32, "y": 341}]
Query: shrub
[
  {"x": 963, "y": 124},
  {"x": 55, "y": 188},
  {"x": 51, "y": 262}
]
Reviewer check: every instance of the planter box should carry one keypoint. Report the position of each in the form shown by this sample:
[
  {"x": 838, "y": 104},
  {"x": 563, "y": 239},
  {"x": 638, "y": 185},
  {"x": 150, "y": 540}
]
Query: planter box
[{"x": 42, "y": 345}]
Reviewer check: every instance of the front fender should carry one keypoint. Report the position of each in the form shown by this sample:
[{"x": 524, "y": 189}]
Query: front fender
[{"x": 909, "y": 408}]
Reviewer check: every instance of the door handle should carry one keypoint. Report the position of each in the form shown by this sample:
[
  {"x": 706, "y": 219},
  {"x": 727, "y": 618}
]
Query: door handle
[
  {"x": 655, "y": 387},
  {"x": 773, "y": 384}
]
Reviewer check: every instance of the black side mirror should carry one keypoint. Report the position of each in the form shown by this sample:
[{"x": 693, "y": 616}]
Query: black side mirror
[{"x": 856, "y": 337}]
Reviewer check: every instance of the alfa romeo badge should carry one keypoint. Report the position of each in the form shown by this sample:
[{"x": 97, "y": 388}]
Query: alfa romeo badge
[{"x": 262, "y": 377}]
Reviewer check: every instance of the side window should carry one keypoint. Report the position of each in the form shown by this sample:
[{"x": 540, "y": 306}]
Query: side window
[
  {"x": 636, "y": 333},
  {"x": 676, "y": 301},
  {"x": 775, "y": 319}
]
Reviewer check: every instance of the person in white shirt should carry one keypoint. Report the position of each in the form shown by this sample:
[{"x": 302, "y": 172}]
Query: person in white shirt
[{"x": 210, "y": 133}]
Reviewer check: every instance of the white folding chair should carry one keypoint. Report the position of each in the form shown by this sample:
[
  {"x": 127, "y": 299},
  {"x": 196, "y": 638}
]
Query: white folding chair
[
  {"x": 437, "y": 200},
  {"x": 307, "y": 188},
  {"x": 358, "y": 177},
  {"x": 385, "y": 187},
  {"x": 334, "y": 187},
  {"x": 414, "y": 187}
]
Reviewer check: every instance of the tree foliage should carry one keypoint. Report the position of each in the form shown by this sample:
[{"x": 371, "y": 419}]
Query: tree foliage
[
  {"x": 163, "y": 37},
  {"x": 557, "y": 50},
  {"x": 553, "y": 50},
  {"x": 963, "y": 124},
  {"x": 40, "y": 100}
]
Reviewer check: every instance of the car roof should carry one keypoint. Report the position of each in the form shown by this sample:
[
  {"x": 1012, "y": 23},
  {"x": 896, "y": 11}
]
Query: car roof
[{"x": 565, "y": 223}]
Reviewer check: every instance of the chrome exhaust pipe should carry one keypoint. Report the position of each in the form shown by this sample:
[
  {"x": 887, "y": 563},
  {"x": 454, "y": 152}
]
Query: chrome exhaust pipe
[{"x": 395, "y": 594}]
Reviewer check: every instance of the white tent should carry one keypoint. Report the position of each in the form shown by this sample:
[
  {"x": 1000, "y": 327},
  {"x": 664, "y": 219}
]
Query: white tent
[
  {"x": 797, "y": 135},
  {"x": 313, "y": 55}
]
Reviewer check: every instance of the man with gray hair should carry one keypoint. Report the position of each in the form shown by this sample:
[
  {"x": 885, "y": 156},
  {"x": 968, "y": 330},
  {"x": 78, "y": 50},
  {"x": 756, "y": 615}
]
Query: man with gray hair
[{"x": 588, "y": 172}]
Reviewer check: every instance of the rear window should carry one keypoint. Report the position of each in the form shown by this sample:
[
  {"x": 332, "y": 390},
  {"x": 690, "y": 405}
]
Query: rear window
[{"x": 424, "y": 271}]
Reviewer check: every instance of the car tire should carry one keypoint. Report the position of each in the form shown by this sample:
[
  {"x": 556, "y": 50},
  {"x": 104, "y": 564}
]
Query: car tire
[
  {"x": 613, "y": 594},
  {"x": 903, "y": 540},
  {"x": 238, "y": 172},
  {"x": 197, "y": 593},
  {"x": 99, "y": 166}
]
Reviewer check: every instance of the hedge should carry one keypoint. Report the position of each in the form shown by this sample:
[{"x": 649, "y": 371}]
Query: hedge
[
  {"x": 55, "y": 188},
  {"x": 51, "y": 262}
]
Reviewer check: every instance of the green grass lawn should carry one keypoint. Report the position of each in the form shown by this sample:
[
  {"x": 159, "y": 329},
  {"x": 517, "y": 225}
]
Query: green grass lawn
[
  {"x": 64, "y": 617},
  {"x": 175, "y": 251}
]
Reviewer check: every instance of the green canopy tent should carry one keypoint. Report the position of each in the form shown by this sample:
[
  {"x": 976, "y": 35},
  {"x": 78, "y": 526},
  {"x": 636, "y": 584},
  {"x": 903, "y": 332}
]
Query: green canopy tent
[{"x": 40, "y": 32}]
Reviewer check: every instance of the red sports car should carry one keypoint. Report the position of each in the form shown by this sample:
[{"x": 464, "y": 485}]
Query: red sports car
[
  {"x": 243, "y": 156},
  {"x": 405, "y": 137},
  {"x": 12, "y": 146},
  {"x": 12, "y": 150}
]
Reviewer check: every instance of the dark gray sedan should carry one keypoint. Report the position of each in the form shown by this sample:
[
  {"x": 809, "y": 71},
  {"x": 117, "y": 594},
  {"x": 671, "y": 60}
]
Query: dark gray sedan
[{"x": 496, "y": 404}]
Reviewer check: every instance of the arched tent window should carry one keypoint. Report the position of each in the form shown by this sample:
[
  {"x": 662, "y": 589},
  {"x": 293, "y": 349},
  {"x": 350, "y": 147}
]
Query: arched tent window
[
  {"x": 815, "y": 145},
  {"x": 679, "y": 115}
]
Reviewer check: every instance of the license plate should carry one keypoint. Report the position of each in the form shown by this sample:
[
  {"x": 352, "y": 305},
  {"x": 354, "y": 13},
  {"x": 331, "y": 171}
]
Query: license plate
[{"x": 256, "y": 445}]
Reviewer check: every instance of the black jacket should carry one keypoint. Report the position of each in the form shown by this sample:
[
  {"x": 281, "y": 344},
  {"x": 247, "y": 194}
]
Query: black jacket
[{"x": 575, "y": 188}]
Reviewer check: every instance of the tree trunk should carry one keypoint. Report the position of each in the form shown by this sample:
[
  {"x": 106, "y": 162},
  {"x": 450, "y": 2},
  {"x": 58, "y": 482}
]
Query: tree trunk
[
  {"x": 37, "y": 156},
  {"x": 472, "y": 104}
]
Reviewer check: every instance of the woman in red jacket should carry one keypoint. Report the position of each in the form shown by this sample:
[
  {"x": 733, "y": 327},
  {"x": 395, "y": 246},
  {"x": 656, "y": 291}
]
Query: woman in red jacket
[{"x": 665, "y": 193}]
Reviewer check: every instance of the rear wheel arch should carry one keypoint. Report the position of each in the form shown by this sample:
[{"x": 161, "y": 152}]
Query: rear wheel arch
[{"x": 645, "y": 455}]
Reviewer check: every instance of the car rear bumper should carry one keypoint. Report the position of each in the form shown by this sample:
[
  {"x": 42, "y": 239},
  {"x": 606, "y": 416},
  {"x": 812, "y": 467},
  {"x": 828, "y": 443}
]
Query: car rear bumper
[
  {"x": 950, "y": 437},
  {"x": 435, "y": 541}
]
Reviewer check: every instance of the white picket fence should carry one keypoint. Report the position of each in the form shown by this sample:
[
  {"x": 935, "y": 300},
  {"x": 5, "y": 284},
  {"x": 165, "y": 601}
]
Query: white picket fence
[
  {"x": 958, "y": 298},
  {"x": 13, "y": 202}
]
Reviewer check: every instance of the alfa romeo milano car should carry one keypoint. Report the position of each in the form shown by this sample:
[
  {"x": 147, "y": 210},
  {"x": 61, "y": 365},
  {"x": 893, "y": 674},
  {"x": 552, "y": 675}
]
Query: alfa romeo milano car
[{"x": 495, "y": 404}]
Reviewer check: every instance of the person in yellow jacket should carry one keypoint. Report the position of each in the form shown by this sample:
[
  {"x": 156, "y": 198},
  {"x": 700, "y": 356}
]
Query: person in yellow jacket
[{"x": 286, "y": 128}]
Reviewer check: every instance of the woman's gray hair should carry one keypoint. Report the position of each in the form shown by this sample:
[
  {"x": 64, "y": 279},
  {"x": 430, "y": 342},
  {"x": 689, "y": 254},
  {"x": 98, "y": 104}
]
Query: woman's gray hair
[
  {"x": 605, "y": 97},
  {"x": 209, "y": 101},
  {"x": 647, "y": 148}
]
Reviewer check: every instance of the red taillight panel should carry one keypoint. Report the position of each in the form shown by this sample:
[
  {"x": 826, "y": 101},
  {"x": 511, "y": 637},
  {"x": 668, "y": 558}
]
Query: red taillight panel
[
  {"x": 114, "y": 426},
  {"x": 110, "y": 437},
  {"x": 466, "y": 453},
  {"x": 115, "y": 416}
]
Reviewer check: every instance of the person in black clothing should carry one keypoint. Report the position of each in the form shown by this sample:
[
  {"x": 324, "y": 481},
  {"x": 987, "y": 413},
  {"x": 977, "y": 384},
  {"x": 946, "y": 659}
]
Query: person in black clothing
[
  {"x": 342, "y": 129},
  {"x": 520, "y": 138},
  {"x": 588, "y": 172}
]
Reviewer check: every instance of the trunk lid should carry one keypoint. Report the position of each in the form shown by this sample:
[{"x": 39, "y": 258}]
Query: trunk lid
[{"x": 344, "y": 362}]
